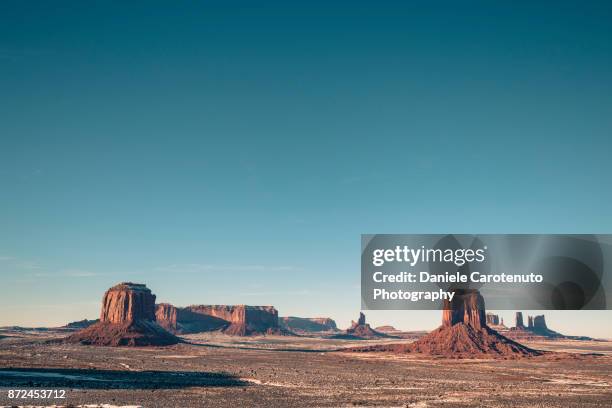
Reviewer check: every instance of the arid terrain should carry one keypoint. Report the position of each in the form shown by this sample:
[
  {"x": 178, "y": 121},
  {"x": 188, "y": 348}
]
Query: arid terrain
[{"x": 214, "y": 369}]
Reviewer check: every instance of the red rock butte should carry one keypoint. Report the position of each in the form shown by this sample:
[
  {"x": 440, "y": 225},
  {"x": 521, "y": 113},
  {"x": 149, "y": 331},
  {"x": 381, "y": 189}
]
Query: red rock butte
[
  {"x": 464, "y": 333},
  {"x": 127, "y": 319}
]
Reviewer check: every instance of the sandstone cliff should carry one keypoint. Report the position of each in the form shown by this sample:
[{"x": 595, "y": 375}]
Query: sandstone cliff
[
  {"x": 127, "y": 319},
  {"x": 237, "y": 320}
]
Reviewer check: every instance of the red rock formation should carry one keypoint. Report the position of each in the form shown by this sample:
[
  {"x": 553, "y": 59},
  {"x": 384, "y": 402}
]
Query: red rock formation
[
  {"x": 128, "y": 302},
  {"x": 463, "y": 333},
  {"x": 238, "y": 320},
  {"x": 363, "y": 330},
  {"x": 127, "y": 319},
  {"x": 165, "y": 315},
  {"x": 465, "y": 308}
]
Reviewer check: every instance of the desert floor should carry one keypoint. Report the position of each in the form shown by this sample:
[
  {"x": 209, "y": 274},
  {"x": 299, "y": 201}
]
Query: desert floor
[{"x": 274, "y": 371}]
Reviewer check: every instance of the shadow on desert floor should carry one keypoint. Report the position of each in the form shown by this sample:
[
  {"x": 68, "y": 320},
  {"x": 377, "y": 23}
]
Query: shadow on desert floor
[
  {"x": 113, "y": 379},
  {"x": 285, "y": 350}
]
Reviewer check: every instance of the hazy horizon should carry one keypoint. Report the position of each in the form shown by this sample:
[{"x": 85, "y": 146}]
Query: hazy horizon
[{"x": 227, "y": 154}]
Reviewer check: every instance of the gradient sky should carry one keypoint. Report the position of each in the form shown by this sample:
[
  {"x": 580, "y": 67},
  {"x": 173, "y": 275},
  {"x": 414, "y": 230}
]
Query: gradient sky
[{"x": 222, "y": 152}]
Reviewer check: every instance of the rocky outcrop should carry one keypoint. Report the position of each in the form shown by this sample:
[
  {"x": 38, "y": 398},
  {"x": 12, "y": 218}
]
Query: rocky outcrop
[
  {"x": 81, "y": 324},
  {"x": 464, "y": 333},
  {"x": 492, "y": 319},
  {"x": 519, "y": 325},
  {"x": 360, "y": 329},
  {"x": 466, "y": 307},
  {"x": 127, "y": 319},
  {"x": 165, "y": 316},
  {"x": 536, "y": 329},
  {"x": 538, "y": 322},
  {"x": 537, "y": 325},
  {"x": 237, "y": 320},
  {"x": 128, "y": 302},
  {"x": 308, "y": 324}
]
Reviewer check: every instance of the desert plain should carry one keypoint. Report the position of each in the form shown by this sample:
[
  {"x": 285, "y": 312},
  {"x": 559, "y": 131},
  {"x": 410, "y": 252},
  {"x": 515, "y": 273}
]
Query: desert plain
[{"x": 218, "y": 370}]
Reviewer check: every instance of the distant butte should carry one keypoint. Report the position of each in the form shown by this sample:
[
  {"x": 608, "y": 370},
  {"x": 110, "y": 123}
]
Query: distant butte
[
  {"x": 308, "y": 324},
  {"x": 464, "y": 333}
]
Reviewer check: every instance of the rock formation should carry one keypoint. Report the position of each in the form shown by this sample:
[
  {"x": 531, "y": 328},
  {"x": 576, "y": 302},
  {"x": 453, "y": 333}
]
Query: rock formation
[
  {"x": 468, "y": 308},
  {"x": 464, "y": 333},
  {"x": 127, "y": 319},
  {"x": 238, "y": 320},
  {"x": 519, "y": 321},
  {"x": 81, "y": 324},
  {"x": 537, "y": 325},
  {"x": 492, "y": 319},
  {"x": 538, "y": 322},
  {"x": 308, "y": 324},
  {"x": 363, "y": 330},
  {"x": 386, "y": 329}
]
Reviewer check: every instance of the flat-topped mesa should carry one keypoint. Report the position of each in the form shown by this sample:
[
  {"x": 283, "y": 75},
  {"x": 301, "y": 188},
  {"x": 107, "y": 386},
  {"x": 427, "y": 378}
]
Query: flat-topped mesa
[
  {"x": 127, "y": 319},
  {"x": 466, "y": 307},
  {"x": 239, "y": 320},
  {"x": 307, "y": 324},
  {"x": 327, "y": 322},
  {"x": 128, "y": 302}
]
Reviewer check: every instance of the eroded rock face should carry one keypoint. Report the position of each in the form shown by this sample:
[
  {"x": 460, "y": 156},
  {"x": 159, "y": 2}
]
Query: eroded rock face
[
  {"x": 127, "y": 319},
  {"x": 166, "y": 316},
  {"x": 467, "y": 307},
  {"x": 239, "y": 320},
  {"x": 127, "y": 302}
]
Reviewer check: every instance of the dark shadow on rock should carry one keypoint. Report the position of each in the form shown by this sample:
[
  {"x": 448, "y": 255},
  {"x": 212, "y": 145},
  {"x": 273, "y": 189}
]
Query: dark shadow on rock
[{"x": 113, "y": 379}]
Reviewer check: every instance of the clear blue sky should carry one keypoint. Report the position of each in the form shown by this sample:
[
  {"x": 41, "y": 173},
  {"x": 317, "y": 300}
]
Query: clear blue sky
[{"x": 222, "y": 152}]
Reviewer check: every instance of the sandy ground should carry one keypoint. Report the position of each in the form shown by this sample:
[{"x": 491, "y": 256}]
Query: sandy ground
[{"x": 220, "y": 371}]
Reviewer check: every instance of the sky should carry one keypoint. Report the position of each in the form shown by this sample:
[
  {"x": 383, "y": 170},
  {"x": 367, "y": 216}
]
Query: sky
[{"x": 228, "y": 152}]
